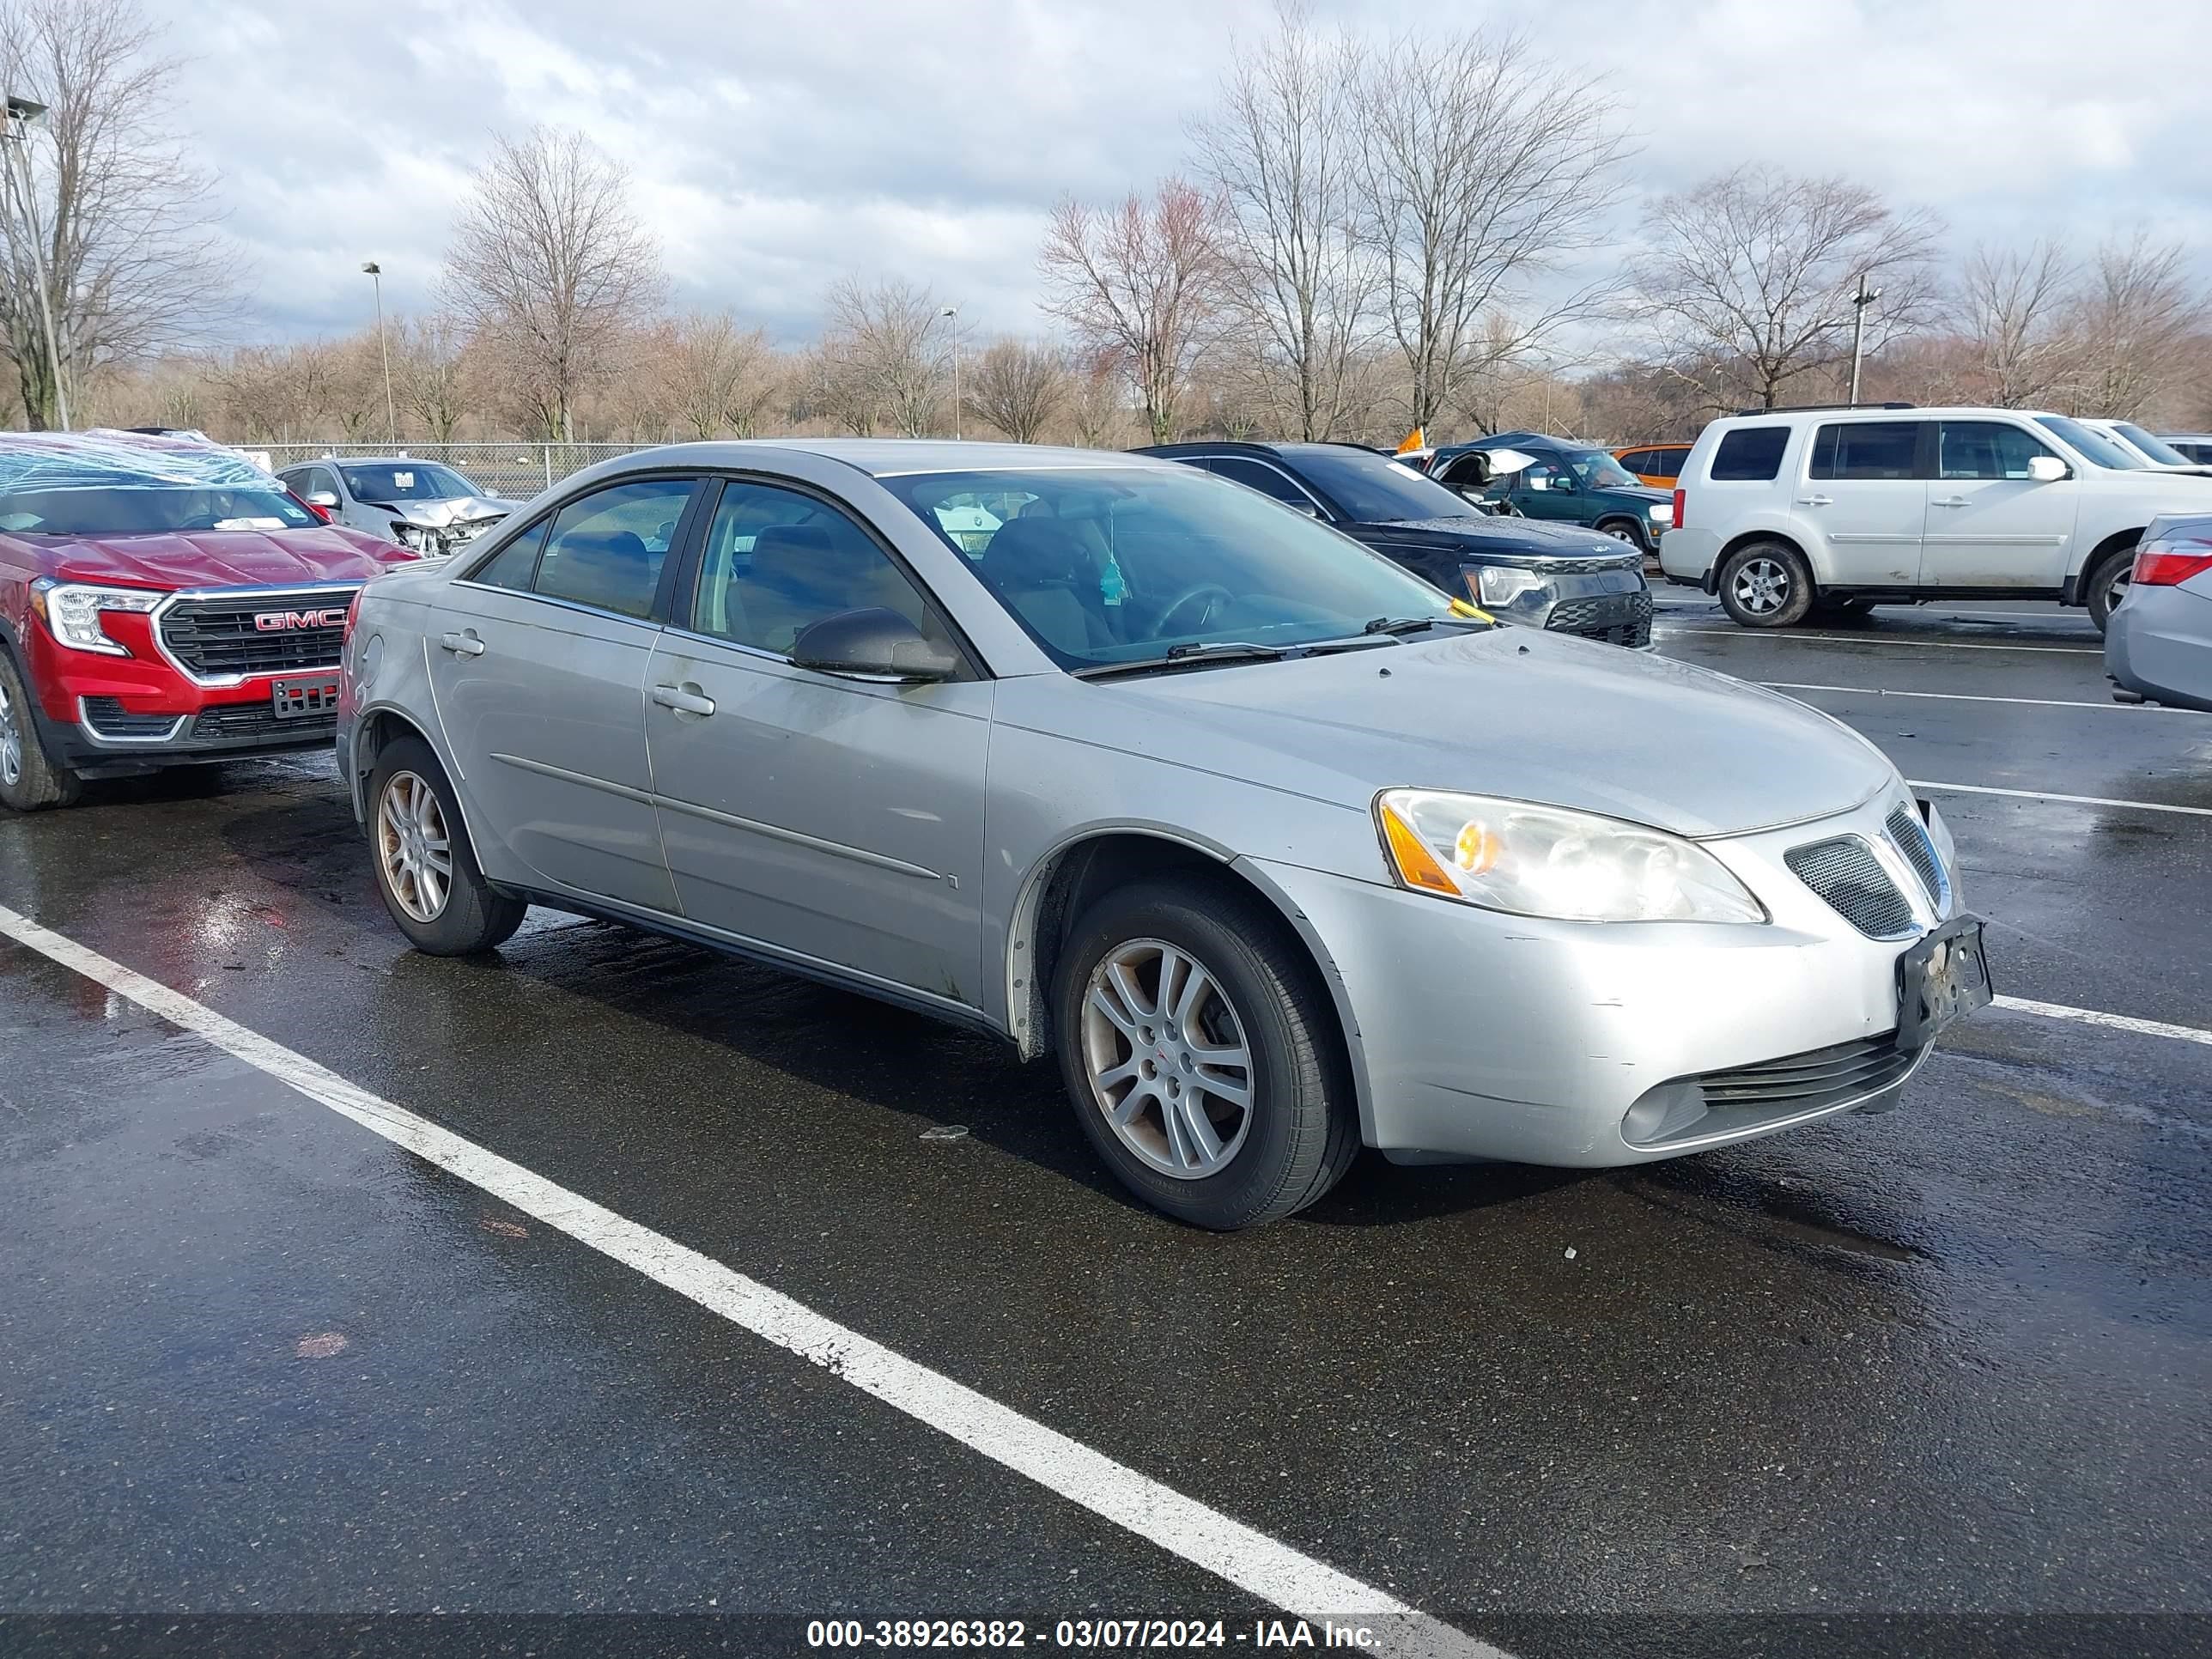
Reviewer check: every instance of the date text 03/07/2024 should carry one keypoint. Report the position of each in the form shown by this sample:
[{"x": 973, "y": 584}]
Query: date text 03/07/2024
[{"x": 1086, "y": 1633}]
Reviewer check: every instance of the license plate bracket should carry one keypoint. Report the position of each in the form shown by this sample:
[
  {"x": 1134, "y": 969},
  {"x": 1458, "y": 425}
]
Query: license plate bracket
[
  {"x": 311, "y": 698},
  {"x": 1941, "y": 979}
]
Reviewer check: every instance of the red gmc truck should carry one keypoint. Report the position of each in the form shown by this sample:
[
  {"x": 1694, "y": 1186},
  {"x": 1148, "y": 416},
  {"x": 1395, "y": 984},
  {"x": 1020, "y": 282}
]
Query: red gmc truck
[{"x": 161, "y": 603}]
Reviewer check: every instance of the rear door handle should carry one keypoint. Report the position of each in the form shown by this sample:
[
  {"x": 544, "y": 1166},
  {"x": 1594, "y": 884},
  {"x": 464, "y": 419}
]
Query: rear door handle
[
  {"x": 1948, "y": 501},
  {"x": 683, "y": 699},
  {"x": 462, "y": 645},
  {"x": 1816, "y": 501}
]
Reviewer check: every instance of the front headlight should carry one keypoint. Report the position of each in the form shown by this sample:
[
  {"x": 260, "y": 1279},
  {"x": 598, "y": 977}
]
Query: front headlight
[
  {"x": 412, "y": 536},
  {"x": 1503, "y": 584},
  {"x": 1547, "y": 861},
  {"x": 1661, "y": 511},
  {"x": 72, "y": 612}
]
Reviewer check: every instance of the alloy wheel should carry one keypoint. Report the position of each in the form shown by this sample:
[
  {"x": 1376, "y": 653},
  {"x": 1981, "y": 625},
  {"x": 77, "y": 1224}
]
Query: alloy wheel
[
  {"x": 11, "y": 742},
  {"x": 2116, "y": 585},
  {"x": 1171, "y": 1066},
  {"x": 1761, "y": 587},
  {"x": 414, "y": 847},
  {"x": 1620, "y": 533}
]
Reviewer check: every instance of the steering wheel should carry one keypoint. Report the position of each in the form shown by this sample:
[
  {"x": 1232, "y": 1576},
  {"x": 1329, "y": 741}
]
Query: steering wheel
[{"x": 1209, "y": 592}]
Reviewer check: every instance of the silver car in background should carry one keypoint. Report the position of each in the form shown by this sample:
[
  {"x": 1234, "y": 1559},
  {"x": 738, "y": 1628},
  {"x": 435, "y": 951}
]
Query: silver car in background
[
  {"x": 2158, "y": 647},
  {"x": 1275, "y": 848},
  {"x": 425, "y": 505}
]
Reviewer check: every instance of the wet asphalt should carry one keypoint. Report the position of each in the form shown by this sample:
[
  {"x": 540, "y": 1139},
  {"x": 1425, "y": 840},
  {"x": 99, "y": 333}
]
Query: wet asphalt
[{"x": 1955, "y": 1359}]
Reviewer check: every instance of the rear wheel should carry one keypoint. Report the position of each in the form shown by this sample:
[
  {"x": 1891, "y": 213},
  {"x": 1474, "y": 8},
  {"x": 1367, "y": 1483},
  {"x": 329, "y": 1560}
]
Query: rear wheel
[
  {"x": 1766, "y": 584},
  {"x": 2107, "y": 585},
  {"x": 30, "y": 778},
  {"x": 426, "y": 871},
  {"x": 1199, "y": 1057}
]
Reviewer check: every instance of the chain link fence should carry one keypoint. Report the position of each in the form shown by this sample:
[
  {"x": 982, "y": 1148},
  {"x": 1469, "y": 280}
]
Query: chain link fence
[{"x": 518, "y": 471}]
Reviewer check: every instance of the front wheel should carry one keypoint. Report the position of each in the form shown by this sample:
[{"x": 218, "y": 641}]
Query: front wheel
[
  {"x": 1767, "y": 585},
  {"x": 1199, "y": 1055},
  {"x": 2108, "y": 584},
  {"x": 1622, "y": 531},
  {"x": 426, "y": 871},
  {"x": 30, "y": 778}
]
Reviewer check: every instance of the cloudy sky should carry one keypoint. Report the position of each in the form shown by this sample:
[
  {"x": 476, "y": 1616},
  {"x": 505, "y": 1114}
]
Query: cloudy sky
[{"x": 777, "y": 144}]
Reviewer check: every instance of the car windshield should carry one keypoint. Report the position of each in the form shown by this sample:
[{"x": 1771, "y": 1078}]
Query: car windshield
[
  {"x": 1371, "y": 489},
  {"x": 2092, "y": 446},
  {"x": 149, "y": 510},
  {"x": 2152, "y": 444},
  {"x": 1598, "y": 471},
  {"x": 406, "y": 481},
  {"x": 1107, "y": 565}
]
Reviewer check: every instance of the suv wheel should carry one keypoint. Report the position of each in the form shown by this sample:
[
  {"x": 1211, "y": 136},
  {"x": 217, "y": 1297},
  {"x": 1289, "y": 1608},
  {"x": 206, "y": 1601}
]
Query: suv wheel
[
  {"x": 1767, "y": 585},
  {"x": 426, "y": 870},
  {"x": 1197, "y": 1050},
  {"x": 30, "y": 778},
  {"x": 1623, "y": 530},
  {"x": 2108, "y": 584}
]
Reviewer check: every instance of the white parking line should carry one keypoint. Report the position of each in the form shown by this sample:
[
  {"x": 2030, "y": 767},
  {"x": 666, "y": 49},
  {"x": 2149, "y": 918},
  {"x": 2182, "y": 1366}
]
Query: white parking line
[
  {"x": 1181, "y": 1526},
  {"x": 2071, "y": 800},
  {"x": 1671, "y": 628},
  {"x": 2157, "y": 1027},
  {"x": 1964, "y": 696}
]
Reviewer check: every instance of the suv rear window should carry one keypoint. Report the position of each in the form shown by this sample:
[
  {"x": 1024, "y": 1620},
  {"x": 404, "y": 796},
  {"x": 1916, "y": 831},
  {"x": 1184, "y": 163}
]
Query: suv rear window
[
  {"x": 1749, "y": 454},
  {"x": 1867, "y": 449}
]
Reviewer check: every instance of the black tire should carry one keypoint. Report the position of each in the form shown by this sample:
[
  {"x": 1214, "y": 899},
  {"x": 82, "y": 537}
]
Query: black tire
[
  {"x": 474, "y": 916},
  {"x": 1625, "y": 530},
  {"x": 1770, "y": 573},
  {"x": 1300, "y": 1132},
  {"x": 31, "y": 780},
  {"x": 2102, "y": 588}
]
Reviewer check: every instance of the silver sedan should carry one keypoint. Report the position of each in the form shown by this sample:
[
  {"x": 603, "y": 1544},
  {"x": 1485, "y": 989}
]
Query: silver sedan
[{"x": 1276, "y": 850}]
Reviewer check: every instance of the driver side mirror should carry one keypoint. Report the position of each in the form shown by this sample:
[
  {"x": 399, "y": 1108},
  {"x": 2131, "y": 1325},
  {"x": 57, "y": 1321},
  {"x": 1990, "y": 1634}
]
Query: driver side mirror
[
  {"x": 2047, "y": 469},
  {"x": 874, "y": 644}
]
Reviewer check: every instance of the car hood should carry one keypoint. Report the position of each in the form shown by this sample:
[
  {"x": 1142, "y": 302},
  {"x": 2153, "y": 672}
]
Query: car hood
[
  {"x": 1529, "y": 537},
  {"x": 1640, "y": 492},
  {"x": 453, "y": 509},
  {"x": 226, "y": 558},
  {"x": 1510, "y": 712}
]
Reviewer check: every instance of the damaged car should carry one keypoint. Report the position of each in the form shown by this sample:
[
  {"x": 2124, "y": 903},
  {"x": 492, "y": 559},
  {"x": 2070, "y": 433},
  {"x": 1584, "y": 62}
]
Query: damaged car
[{"x": 425, "y": 506}]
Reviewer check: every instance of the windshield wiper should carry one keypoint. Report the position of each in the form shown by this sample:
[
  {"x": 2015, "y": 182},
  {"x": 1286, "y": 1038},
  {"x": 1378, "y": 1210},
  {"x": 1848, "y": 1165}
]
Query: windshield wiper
[
  {"x": 1403, "y": 624},
  {"x": 1194, "y": 654}
]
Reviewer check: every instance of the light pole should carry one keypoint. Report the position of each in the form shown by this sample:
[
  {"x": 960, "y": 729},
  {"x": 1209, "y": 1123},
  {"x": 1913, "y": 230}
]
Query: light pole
[
  {"x": 374, "y": 272},
  {"x": 23, "y": 116},
  {"x": 1860, "y": 301},
  {"x": 953, "y": 312}
]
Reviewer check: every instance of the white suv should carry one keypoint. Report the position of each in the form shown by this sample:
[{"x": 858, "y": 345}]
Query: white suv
[{"x": 1793, "y": 512}]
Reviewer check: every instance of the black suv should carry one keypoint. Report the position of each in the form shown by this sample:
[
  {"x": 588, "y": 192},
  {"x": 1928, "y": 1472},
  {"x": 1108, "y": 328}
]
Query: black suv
[{"x": 1570, "y": 580}]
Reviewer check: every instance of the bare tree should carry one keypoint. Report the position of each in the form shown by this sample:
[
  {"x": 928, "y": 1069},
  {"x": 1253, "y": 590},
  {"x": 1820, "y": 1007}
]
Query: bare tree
[
  {"x": 121, "y": 218},
  {"x": 1282, "y": 152},
  {"x": 551, "y": 265},
  {"x": 2012, "y": 310},
  {"x": 2137, "y": 315},
  {"x": 1017, "y": 386},
  {"x": 719, "y": 377},
  {"x": 1483, "y": 170},
  {"x": 890, "y": 345},
  {"x": 1757, "y": 268},
  {"x": 431, "y": 373},
  {"x": 1098, "y": 402},
  {"x": 1140, "y": 280}
]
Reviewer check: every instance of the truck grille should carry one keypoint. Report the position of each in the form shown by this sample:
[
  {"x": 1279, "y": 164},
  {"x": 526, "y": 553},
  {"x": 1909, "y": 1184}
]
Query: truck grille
[
  {"x": 1910, "y": 836},
  {"x": 1845, "y": 874},
  {"x": 1613, "y": 619},
  {"x": 216, "y": 636},
  {"x": 259, "y": 719},
  {"x": 1820, "y": 1077}
]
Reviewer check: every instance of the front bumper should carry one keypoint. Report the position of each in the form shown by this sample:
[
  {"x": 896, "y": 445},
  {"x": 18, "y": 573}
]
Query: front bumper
[
  {"x": 2159, "y": 646},
  {"x": 1486, "y": 1035},
  {"x": 1612, "y": 604}
]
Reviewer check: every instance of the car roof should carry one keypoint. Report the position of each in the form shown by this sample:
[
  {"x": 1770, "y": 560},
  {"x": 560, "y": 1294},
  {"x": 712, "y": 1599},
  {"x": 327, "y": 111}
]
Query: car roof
[
  {"x": 104, "y": 459},
  {"x": 885, "y": 458},
  {"x": 1891, "y": 412}
]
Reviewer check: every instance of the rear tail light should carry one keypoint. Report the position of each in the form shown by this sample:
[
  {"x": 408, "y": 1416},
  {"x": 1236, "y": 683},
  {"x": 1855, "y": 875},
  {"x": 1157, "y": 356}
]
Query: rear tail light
[
  {"x": 2172, "y": 560},
  {"x": 1678, "y": 493}
]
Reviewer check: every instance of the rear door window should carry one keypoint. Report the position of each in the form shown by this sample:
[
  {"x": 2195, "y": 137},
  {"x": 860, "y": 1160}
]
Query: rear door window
[
  {"x": 1749, "y": 454},
  {"x": 607, "y": 549},
  {"x": 1261, "y": 476},
  {"x": 1866, "y": 450}
]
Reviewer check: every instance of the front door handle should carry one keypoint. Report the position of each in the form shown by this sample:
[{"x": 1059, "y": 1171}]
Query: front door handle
[
  {"x": 1816, "y": 501},
  {"x": 1948, "y": 501},
  {"x": 684, "y": 699},
  {"x": 462, "y": 645}
]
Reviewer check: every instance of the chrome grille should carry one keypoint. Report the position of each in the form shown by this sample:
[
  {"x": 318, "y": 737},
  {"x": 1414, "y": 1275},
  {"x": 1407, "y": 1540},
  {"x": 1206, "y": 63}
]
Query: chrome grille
[
  {"x": 1820, "y": 1077},
  {"x": 1845, "y": 874},
  {"x": 214, "y": 636},
  {"x": 1910, "y": 836}
]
